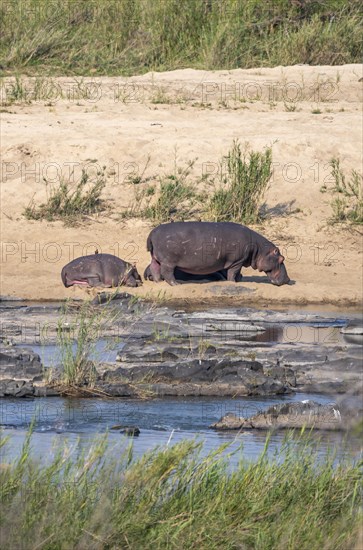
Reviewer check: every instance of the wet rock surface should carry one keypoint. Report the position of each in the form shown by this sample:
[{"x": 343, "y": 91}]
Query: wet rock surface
[
  {"x": 19, "y": 368},
  {"x": 218, "y": 352},
  {"x": 289, "y": 415}
]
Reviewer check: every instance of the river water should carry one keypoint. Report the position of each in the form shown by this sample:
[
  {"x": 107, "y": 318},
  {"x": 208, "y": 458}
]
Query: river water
[{"x": 161, "y": 422}]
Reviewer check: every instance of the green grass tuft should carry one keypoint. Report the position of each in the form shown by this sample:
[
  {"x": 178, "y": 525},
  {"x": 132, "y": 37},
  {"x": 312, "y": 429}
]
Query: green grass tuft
[
  {"x": 245, "y": 180},
  {"x": 347, "y": 203},
  {"x": 176, "y": 200},
  {"x": 69, "y": 202}
]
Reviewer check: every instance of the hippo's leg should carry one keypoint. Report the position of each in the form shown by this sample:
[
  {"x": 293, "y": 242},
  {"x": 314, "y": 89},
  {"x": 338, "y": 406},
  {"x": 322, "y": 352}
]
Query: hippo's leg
[
  {"x": 234, "y": 273},
  {"x": 219, "y": 275},
  {"x": 167, "y": 273},
  {"x": 155, "y": 270},
  {"x": 94, "y": 280}
]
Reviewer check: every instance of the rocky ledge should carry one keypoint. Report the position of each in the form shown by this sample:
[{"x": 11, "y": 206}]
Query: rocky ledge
[
  {"x": 305, "y": 414},
  {"x": 220, "y": 352}
]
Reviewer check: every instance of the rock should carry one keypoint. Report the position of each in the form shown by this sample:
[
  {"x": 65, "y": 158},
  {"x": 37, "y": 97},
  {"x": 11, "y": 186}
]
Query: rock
[
  {"x": 19, "y": 364},
  {"x": 284, "y": 374},
  {"x": 353, "y": 327},
  {"x": 307, "y": 414},
  {"x": 106, "y": 297},
  {"x": 130, "y": 430},
  {"x": 16, "y": 388},
  {"x": 192, "y": 374},
  {"x": 229, "y": 422}
]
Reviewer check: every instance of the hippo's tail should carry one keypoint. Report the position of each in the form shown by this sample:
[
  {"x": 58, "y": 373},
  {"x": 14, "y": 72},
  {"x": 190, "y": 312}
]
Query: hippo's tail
[
  {"x": 63, "y": 275},
  {"x": 149, "y": 244}
]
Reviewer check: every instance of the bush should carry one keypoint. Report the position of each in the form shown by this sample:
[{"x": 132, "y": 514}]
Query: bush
[
  {"x": 68, "y": 202},
  {"x": 347, "y": 203},
  {"x": 243, "y": 185},
  {"x": 175, "y": 200},
  {"x": 175, "y": 197}
]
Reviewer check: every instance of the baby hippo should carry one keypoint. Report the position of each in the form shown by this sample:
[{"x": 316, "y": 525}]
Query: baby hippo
[{"x": 102, "y": 270}]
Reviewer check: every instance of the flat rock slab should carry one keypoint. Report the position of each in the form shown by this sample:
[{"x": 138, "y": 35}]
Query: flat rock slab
[
  {"x": 20, "y": 364},
  {"x": 16, "y": 388},
  {"x": 175, "y": 352},
  {"x": 287, "y": 415}
]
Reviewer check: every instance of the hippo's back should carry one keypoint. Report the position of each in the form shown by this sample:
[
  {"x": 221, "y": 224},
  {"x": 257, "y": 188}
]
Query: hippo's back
[{"x": 207, "y": 231}]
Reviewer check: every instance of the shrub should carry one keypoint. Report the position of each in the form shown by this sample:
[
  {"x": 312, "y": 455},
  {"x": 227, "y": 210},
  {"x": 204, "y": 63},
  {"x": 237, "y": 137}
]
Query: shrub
[
  {"x": 347, "y": 203},
  {"x": 175, "y": 200},
  {"x": 68, "y": 202},
  {"x": 243, "y": 185}
]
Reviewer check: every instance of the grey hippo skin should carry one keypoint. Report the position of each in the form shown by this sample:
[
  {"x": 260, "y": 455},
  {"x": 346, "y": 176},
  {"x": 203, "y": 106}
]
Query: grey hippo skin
[
  {"x": 201, "y": 248},
  {"x": 182, "y": 276},
  {"x": 102, "y": 270}
]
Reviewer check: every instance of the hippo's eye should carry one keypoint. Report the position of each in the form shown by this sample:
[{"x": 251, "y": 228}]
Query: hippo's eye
[{"x": 276, "y": 252}]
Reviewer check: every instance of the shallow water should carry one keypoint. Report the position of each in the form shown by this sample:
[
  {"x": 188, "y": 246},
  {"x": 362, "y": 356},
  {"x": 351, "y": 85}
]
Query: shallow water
[
  {"x": 161, "y": 422},
  {"x": 105, "y": 349},
  {"x": 168, "y": 420}
]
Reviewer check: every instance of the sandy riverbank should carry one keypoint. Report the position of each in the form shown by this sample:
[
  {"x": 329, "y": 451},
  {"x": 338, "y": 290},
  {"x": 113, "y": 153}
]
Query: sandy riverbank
[{"x": 178, "y": 117}]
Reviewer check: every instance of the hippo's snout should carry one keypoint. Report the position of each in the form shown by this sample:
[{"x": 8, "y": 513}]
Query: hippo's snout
[
  {"x": 133, "y": 278},
  {"x": 279, "y": 277},
  {"x": 280, "y": 283}
]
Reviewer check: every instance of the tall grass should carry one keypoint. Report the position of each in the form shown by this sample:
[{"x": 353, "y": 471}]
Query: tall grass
[
  {"x": 176, "y": 198},
  {"x": 245, "y": 178},
  {"x": 76, "y": 339},
  {"x": 136, "y": 36},
  {"x": 69, "y": 202},
  {"x": 347, "y": 203},
  {"x": 176, "y": 497}
]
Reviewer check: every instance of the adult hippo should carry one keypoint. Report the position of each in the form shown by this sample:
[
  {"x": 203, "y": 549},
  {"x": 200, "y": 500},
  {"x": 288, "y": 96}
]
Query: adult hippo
[
  {"x": 103, "y": 270},
  {"x": 206, "y": 247}
]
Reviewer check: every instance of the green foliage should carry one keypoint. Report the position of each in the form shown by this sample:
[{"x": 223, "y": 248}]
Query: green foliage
[
  {"x": 69, "y": 202},
  {"x": 244, "y": 182},
  {"x": 133, "y": 36},
  {"x": 175, "y": 200},
  {"x": 347, "y": 203},
  {"x": 178, "y": 497},
  {"x": 76, "y": 339}
]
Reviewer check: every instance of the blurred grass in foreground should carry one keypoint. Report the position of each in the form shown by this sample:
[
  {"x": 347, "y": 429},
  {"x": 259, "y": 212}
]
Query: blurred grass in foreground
[{"x": 176, "y": 497}]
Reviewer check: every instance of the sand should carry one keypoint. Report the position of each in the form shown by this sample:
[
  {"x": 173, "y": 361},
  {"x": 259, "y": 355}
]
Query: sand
[{"x": 308, "y": 115}]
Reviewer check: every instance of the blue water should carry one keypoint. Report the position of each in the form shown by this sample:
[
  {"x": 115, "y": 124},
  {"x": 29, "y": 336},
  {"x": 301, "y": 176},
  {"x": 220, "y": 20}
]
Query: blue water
[
  {"x": 161, "y": 422},
  {"x": 104, "y": 349}
]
